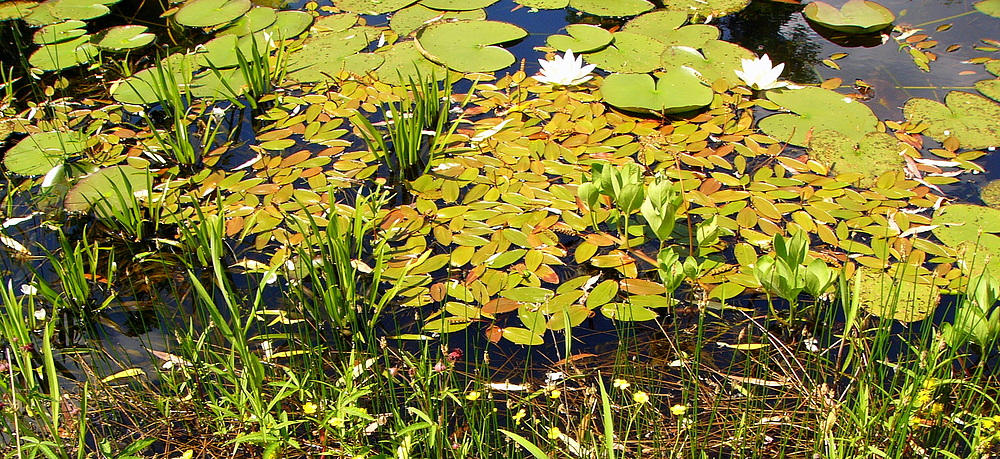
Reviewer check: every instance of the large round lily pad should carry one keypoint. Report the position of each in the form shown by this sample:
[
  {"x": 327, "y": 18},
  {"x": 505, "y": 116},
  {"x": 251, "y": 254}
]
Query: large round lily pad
[
  {"x": 677, "y": 90},
  {"x": 64, "y": 55},
  {"x": 146, "y": 86},
  {"x": 717, "y": 59},
  {"x": 325, "y": 54},
  {"x": 37, "y": 153},
  {"x": 403, "y": 61},
  {"x": 255, "y": 20},
  {"x": 612, "y": 7},
  {"x": 59, "y": 32},
  {"x": 628, "y": 53},
  {"x": 15, "y": 9},
  {"x": 125, "y": 37},
  {"x": 901, "y": 297},
  {"x": 972, "y": 119},
  {"x": 457, "y": 5},
  {"x": 208, "y": 13},
  {"x": 289, "y": 24},
  {"x": 413, "y": 17},
  {"x": 468, "y": 46},
  {"x": 372, "y": 7},
  {"x": 219, "y": 85},
  {"x": 54, "y": 11},
  {"x": 988, "y": 7},
  {"x": 706, "y": 8},
  {"x": 544, "y": 4},
  {"x": 958, "y": 223},
  {"x": 815, "y": 109},
  {"x": 989, "y": 88},
  {"x": 108, "y": 190},
  {"x": 855, "y": 17},
  {"x": 668, "y": 28},
  {"x": 876, "y": 154},
  {"x": 582, "y": 38}
]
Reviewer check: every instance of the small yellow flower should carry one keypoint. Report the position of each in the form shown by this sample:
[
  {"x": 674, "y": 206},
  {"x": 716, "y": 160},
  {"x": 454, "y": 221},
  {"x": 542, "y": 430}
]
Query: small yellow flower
[
  {"x": 309, "y": 408},
  {"x": 640, "y": 397},
  {"x": 519, "y": 416},
  {"x": 554, "y": 433},
  {"x": 473, "y": 396},
  {"x": 678, "y": 409},
  {"x": 555, "y": 393},
  {"x": 337, "y": 422},
  {"x": 621, "y": 384}
]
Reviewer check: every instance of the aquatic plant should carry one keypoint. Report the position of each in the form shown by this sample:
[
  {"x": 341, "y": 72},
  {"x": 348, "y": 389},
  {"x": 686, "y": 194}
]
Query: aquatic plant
[
  {"x": 564, "y": 70},
  {"x": 759, "y": 74}
]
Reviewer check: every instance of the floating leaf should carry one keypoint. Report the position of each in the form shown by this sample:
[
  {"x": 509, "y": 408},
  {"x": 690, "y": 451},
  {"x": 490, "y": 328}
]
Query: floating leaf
[
  {"x": 627, "y": 312},
  {"x": 522, "y": 336},
  {"x": 469, "y": 46},
  {"x": 716, "y": 59},
  {"x": 403, "y": 61},
  {"x": 413, "y": 17},
  {"x": 958, "y": 223},
  {"x": 15, "y": 9},
  {"x": 628, "y": 53},
  {"x": 855, "y": 17},
  {"x": 582, "y": 38},
  {"x": 125, "y": 37},
  {"x": 325, "y": 54},
  {"x": 255, "y": 20},
  {"x": 108, "y": 191},
  {"x": 677, "y": 90},
  {"x": 372, "y": 7},
  {"x": 39, "y": 152},
  {"x": 528, "y": 294},
  {"x": 64, "y": 55},
  {"x": 972, "y": 119},
  {"x": 612, "y": 7},
  {"x": 816, "y": 109},
  {"x": 208, "y": 13},
  {"x": 877, "y": 154},
  {"x": 706, "y": 8},
  {"x": 668, "y": 28},
  {"x": 902, "y": 297},
  {"x": 457, "y": 5},
  {"x": 54, "y": 11},
  {"x": 988, "y": 7},
  {"x": 60, "y": 32}
]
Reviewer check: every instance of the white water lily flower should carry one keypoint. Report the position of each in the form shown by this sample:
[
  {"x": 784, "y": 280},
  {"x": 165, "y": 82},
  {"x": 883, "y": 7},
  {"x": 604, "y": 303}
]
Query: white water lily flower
[
  {"x": 758, "y": 73},
  {"x": 564, "y": 71}
]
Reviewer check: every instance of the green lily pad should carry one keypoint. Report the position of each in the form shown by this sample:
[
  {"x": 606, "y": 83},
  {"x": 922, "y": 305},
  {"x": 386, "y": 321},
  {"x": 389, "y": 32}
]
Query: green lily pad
[
  {"x": 958, "y": 223},
  {"x": 335, "y": 23},
  {"x": 146, "y": 86},
  {"x": 988, "y": 7},
  {"x": 972, "y": 119},
  {"x": 64, "y": 55},
  {"x": 289, "y": 24},
  {"x": 107, "y": 190},
  {"x": 225, "y": 84},
  {"x": 989, "y": 88},
  {"x": 325, "y": 54},
  {"x": 582, "y": 38},
  {"x": 59, "y": 10},
  {"x": 372, "y": 7},
  {"x": 974, "y": 259},
  {"x": 678, "y": 90},
  {"x": 612, "y": 7},
  {"x": 905, "y": 299},
  {"x": 469, "y": 46},
  {"x": 855, "y": 17},
  {"x": 993, "y": 66},
  {"x": 218, "y": 52},
  {"x": 816, "y": 109},
  {"x": 255, "y": 20},
  {"x": 413, "y": 17},
  {"x": 628, "y": 53},
  {"x": 668, "y": 28},
  {"x": 15, "y": 9},
  {"x": 403, "y": 61},
  {"x": 990, "y": 194},
  {"x": 457, "y": 5},
  {"x": 39, "y": 152},
  {"x": 705, "y": 8},
  {"x": 876, "y": 154},
  {"x": 125, "y": 37},
  {"x": 717, "y": 59},
  {"x": 208, "y": 13},
  {"x": 59, "y": 32},
  {"x": 544, "y": 4}
]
